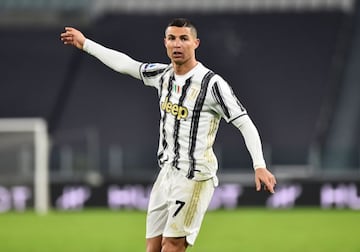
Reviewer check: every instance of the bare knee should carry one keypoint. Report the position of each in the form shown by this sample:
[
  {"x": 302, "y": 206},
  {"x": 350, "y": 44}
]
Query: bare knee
[
  {"x": 154, "y": 244},
  {"x": 171, "y": 244}
]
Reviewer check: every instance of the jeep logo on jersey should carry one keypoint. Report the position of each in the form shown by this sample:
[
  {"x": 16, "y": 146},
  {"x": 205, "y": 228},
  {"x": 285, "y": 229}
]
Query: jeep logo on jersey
[{"x": 179, "y": 112}]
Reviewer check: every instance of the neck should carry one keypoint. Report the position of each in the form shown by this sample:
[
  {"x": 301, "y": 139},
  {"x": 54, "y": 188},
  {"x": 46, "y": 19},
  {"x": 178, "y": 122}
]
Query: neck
[{"x": 184, "y": 68}]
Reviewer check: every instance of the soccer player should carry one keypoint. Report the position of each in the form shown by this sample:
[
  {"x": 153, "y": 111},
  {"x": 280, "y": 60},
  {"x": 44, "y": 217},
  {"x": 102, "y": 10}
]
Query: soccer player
[{"x": 192, "y": 101}]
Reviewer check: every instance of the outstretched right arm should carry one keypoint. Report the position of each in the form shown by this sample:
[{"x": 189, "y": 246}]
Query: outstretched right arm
[{"x": 118, "y": 61}]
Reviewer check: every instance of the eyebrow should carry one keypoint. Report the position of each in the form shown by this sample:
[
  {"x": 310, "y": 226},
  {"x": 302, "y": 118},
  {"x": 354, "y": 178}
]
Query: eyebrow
[{"x": 181, "y": 36}]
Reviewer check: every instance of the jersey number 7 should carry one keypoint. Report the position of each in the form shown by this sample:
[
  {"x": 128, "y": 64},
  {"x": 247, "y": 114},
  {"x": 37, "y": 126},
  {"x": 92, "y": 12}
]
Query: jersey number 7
[{"x": 181, "y": 205}]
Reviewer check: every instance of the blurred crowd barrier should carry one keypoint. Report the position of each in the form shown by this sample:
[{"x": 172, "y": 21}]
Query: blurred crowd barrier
[{"x": 333, "y": 194}]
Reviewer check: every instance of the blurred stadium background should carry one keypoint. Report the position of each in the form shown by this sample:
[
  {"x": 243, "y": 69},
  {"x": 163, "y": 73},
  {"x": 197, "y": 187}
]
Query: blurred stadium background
[
  {"x": 293, "y": 64},
  {"x": 76, "y": 135}
]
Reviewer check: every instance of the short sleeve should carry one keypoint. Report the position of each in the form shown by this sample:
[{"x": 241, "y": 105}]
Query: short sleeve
[
  {"x": 151, "y": 73},
  {"x": 224, "y": 101}
]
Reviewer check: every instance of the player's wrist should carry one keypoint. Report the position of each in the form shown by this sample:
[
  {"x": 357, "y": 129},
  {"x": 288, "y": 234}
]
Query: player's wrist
[
  {"x": 85, "y": 45},
  {"x": 259, "y": 166}
]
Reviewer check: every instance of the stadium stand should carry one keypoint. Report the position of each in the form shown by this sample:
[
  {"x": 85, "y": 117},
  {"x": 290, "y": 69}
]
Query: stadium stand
[{"x": 280, "y": 64}]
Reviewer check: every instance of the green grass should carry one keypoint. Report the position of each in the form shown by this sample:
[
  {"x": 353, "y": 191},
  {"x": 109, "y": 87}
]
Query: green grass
[{"x": 250, "y": 230}]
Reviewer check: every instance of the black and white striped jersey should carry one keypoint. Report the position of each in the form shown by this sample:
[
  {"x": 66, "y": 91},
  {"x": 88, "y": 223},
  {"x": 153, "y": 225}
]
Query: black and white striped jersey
[{"x": 191, "y": 107}]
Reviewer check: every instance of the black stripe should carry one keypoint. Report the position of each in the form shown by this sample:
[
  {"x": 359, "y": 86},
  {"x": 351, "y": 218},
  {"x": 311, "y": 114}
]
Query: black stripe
[
  {"x": 220, "y": 100},
  {"x": 237, "y": 117},
  {"x": 195, "y": 121},
  {"x": 237, "y": 100},
  {"x": 162, "y": 81},
  {"x": 177, "y": 124},
  {"x": 164, "y": 143},
  {"x": 153, "y": 73}
]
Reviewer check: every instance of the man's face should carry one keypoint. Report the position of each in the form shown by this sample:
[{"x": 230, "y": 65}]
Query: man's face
[{"x": 180, "y": 43}]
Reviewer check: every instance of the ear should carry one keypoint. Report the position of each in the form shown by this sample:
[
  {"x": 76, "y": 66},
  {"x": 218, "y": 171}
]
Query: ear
[
  {"x": 197, "y": 43},
  {"x": 165, "y": 42}
]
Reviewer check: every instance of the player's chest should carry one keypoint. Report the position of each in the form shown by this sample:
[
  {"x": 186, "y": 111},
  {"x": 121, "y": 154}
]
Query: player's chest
[{"x": 180, "y": 98}]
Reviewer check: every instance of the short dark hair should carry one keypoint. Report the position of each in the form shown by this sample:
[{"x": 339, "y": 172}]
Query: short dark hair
[{"x": 183, "y": 22}]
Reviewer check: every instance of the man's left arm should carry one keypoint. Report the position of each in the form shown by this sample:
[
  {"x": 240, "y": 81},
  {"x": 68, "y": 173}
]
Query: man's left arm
[
  {"x": 253, "y": 144},
  {"x": 226, "y": 104}
]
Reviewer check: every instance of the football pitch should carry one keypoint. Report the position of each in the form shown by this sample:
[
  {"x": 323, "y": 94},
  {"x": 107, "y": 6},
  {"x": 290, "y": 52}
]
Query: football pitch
[{"x": 245, "y": 229}]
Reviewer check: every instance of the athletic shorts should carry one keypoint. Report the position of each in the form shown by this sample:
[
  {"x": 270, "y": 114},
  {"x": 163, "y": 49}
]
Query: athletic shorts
[{"x": 177, "y": 205}]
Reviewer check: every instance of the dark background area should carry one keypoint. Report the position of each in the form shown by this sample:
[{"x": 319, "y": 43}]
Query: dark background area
[{"x": 282, "y": 67}]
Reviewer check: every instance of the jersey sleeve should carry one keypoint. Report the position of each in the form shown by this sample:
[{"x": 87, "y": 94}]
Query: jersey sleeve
[
  {"x": 116, "y": 60},
  {"x": 224, "y": 101},
  {"x": 151, "y": 73},
  {"x": 252, "y": 140}
]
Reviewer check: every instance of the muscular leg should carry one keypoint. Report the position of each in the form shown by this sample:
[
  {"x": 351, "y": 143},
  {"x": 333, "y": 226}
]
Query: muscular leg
[
  {"x": 166, "y": 244},
  {"x": 170, "y": 244},
  {"x": 154, "y": 244}
]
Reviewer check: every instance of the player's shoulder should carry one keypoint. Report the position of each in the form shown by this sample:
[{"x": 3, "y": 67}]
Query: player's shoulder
[
  {"x": 153, "y": 66},
  {"x": 214, "y": 76},
  {"x": 218, "y": 80},
  {"x": 151, "y": 69}
]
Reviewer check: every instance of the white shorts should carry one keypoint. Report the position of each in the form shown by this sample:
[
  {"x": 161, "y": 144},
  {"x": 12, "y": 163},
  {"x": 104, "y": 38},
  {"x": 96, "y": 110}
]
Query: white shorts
[{"x": 177, "y": 205}]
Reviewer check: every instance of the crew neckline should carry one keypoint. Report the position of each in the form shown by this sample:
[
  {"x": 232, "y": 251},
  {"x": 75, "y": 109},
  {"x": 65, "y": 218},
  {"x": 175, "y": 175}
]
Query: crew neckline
[{"x": 188, "y": 74}]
